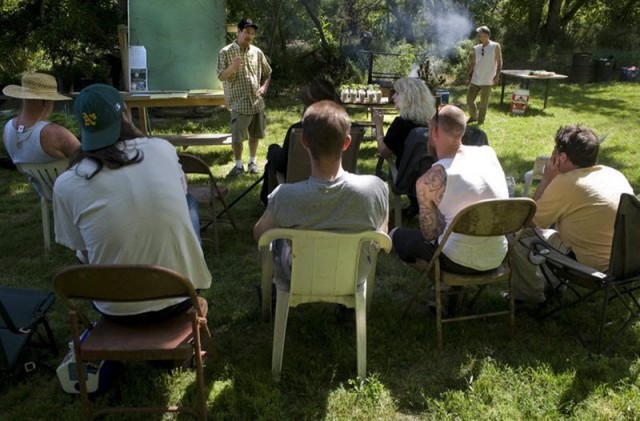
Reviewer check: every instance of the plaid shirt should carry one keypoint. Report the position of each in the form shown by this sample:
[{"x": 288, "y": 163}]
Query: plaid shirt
[{"x": 241, "y": 87}]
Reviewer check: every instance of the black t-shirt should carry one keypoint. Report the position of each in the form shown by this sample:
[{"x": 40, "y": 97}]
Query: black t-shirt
[{"x": 397, "y": 134}]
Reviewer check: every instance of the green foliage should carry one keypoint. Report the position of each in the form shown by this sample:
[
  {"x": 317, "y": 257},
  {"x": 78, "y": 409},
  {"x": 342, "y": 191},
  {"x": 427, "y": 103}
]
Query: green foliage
[{"x": 542, "y": 373}]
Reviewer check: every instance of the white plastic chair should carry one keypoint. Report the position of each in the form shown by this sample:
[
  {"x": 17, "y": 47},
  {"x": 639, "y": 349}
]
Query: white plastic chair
[
  {"x": 42, "y": 177},
  {"x": 325, "y": 267},
  {"x": 535, "y": 173}
]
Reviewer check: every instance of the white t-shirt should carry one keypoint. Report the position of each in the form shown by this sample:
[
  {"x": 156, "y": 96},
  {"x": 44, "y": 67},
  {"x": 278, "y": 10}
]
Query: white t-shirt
[
  {"x": 136, "y": 214},
  {"x": 474, "y": 174},
  {"x": 485, "y": 67}
]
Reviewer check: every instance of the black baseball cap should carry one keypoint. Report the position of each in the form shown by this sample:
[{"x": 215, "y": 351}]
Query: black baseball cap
[{"x": 246, "y": 23}]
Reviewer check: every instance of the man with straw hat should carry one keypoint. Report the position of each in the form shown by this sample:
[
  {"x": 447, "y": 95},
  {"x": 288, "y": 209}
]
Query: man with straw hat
[{"x": 29, "y": 137}]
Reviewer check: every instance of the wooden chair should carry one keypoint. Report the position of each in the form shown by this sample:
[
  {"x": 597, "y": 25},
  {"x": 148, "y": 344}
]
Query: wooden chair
[
  {"x": 22, "y": 313},
  {"x": 325, "y": 267},
  {"x": 299, "y": 164},
  {"x": 178, "y": 338},
  {"x": 42, "y": 177},
  {"x": 207, "y": 193},
  {"x": 487, "y": 218}
]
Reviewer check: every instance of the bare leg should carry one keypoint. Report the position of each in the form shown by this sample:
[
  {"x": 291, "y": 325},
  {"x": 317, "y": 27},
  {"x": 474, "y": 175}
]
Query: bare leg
[
  {"x": 253, "y": 146},
  {"x": 237, "y": 150}
]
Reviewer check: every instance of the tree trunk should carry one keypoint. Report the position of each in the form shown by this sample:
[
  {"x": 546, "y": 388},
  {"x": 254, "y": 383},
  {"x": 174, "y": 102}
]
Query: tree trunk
[
  {"x": 534, "y": 18},
  {"x": 571, "y": 12},
  {"x": 318, "y": 25},
  {"x": 553, "y": 21},
  {"x": 404, "y": 26}
]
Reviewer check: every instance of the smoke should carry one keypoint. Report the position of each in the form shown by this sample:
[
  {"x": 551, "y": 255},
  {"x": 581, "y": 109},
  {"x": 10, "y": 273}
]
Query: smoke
[{"x": 449, "y": 28}]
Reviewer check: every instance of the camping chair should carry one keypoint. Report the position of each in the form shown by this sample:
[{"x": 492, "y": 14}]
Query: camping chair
[
  {"x": 534, "y": 174},
  {"x": 325, "y": 267},
  {"x": 178, "y": 338},
  {"x": 620, "y": 282},
  {"x": 42, "y": 177},
  {"x": 299, "y": 164},
  {"x": 22, "y": 313},
  {"x": 207, "y": 193},
  {"x": 487, "y": 218}
]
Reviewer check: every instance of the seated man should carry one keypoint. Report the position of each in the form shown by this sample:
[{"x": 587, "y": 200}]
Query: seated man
[
  {"x": 462, "y": 176},
  {"x": 581, "y": 199},
  {"x": 331, "y": 199},
  {"x": 278, "y": 156},
  {"x": 123, "y": 202},
  {"x": 29, "y": 137}
]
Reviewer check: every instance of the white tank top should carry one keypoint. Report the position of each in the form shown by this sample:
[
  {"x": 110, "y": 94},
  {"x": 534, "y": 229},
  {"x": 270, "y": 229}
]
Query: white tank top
[
  {"x": 485, "y": 67},
  {"x": 474, "y": 174},
  {"x": 24, "y": 146}
]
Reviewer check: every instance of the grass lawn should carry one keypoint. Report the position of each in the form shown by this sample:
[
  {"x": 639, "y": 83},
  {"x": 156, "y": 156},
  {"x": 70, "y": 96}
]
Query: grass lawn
[{"x": 542, "y": 373}]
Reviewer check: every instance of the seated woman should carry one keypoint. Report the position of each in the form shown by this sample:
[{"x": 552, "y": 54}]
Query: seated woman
[
  {"x": 278, "y": 156},
  {"x": 415, "y": 105}
]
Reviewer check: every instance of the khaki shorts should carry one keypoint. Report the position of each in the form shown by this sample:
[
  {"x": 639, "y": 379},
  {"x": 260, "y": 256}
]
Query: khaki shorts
[{"x": 245, "y": 126}]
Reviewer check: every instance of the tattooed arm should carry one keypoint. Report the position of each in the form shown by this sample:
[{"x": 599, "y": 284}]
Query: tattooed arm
[{"x": 430, "y": 189}]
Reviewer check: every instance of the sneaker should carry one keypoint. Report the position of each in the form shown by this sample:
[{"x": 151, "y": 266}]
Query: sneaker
[
  {"x": 236, "y": 171},
  {"x": 253, "y": 168}
]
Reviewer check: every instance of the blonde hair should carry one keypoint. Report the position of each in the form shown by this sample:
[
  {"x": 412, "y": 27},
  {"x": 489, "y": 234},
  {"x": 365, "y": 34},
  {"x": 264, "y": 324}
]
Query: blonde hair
[{"x": 418, "y": 103}]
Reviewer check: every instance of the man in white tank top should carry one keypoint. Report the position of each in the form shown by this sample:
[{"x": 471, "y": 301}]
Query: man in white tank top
[
  {"x": 484, "y": 72},
  {"x": 29, "y": 137},
  {"x": 462, "y": 176}
]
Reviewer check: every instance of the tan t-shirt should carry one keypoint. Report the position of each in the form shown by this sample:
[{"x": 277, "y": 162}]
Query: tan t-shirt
[{"x": 583, "y": 203}]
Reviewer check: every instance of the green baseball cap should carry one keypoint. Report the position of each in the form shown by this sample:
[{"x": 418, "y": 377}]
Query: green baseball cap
[{"x": 98, "y": 109}]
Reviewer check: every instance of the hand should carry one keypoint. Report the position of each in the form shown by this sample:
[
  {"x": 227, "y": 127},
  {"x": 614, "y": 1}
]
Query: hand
[
  {"x": 262, "y": 91},
  {"x": 552, "y": 169},
  {"x": 236, "y": 63},
  {"x": 467, "y": 80},
  {"x": 377, "y": 116},
  {"x": 496, "y": 79}
]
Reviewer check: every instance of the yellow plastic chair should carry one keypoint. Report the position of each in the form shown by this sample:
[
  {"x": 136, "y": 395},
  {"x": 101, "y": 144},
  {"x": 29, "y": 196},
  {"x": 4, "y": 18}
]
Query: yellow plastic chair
[
  {"x": 325, "y": 267},
  {"x": 42, "y": 177},
  {"x": 487, "y": 218}
]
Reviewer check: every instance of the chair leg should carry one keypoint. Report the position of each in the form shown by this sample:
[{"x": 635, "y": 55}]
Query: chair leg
[
  {"x": 80, "y": 371},
  {"x": 438, "y": 292},
  {"x": 512, "y": 309},
  {"x": 197, "y": 351},
  {"x": 361, "y": 334},
  {"x": 603, "y": 316},
  {"x": 279, "y": 331},
  {"x": 46, "y": 226}
]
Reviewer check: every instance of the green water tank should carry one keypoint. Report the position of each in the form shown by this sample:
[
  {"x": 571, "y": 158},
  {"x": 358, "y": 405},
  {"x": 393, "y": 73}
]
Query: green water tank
[{"x": 182, "y": 39}]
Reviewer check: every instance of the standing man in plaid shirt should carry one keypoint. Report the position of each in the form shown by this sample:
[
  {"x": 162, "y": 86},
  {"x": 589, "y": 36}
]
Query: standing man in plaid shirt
[{"x": 246, "y": 74}]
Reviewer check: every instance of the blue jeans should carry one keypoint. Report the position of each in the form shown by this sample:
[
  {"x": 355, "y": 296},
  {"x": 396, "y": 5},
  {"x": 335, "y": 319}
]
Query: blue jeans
[{"x": 194, "y": 215}]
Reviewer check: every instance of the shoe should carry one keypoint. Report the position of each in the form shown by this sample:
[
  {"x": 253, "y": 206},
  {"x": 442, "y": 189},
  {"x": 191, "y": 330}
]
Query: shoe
[
  {"x": 253, "y": 168},
  {"x": 236, "y": 171}
]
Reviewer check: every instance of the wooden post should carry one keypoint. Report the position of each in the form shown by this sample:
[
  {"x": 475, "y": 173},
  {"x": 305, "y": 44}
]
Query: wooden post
[{"x": 123, "y": 42}]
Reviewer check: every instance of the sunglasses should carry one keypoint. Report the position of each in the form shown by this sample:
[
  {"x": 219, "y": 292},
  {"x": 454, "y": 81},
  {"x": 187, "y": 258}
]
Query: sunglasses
[{"x": 438, "y": 108}]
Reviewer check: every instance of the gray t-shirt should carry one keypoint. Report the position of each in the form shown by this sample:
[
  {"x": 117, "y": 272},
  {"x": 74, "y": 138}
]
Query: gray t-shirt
[{"x": 349, "y": 204}]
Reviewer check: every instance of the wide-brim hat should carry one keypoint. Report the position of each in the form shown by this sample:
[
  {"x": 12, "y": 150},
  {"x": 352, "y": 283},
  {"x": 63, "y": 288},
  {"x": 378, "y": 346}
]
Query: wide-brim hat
[
  {"x": 98, "y": 109},
  {"x": 35, "y": 86}
]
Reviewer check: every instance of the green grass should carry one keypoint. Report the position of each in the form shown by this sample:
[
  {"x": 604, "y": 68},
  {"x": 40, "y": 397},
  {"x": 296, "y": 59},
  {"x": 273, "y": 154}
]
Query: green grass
[{"x": 543, "y": 373}]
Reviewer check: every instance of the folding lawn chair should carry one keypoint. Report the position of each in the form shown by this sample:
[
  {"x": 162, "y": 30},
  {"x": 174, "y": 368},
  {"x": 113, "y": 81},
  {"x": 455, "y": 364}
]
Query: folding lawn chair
[{"x": 620, "y": 282}]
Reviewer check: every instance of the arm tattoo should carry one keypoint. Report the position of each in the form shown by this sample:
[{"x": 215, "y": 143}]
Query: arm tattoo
[{"x": 430, "y": 189}]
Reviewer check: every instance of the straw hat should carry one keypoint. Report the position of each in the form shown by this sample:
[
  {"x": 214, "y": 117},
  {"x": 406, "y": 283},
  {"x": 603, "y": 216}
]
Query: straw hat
[{"x": 35, "y": 86}]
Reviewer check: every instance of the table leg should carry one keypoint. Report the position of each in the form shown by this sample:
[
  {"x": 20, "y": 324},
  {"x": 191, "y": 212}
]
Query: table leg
[
  {"x": 143, "y": 119},
  {"x": 503, "y": 77},
  {"x": 546, "y": 92}
]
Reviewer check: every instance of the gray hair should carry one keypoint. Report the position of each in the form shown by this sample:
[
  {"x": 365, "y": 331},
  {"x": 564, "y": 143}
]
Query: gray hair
[
  {"x": 484, "y": 30},
  {"x": 418, "y": 102}
]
